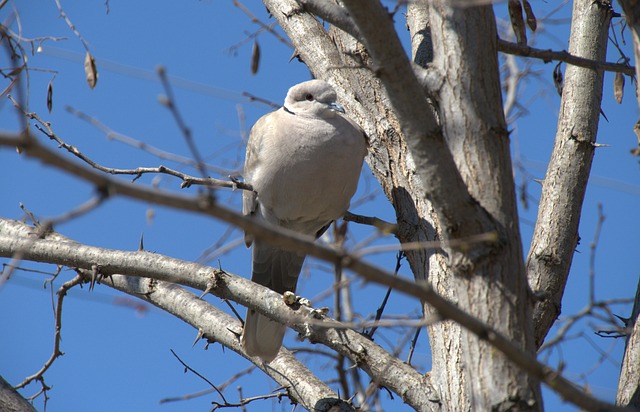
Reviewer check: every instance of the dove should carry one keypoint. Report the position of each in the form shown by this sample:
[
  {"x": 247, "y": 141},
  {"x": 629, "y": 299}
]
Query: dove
[{"x": 303, "y": 162}]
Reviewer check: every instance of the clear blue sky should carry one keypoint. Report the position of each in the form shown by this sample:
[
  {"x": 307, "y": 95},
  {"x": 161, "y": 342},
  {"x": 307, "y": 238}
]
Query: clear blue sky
[{"x": 118, "y": 359}]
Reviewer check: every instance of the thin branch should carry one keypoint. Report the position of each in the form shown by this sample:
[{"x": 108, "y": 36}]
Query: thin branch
[
  {"x": 246, "y": 401},
  {"x": 384, "y": 226},
  {"x": 71, "y": 25},
  {"x": 170, "y": 102},
  {"x": 218, "y": 326},
  {"x": 187, "y": 180},
  {"x": 563, "y": 56},
  {"x": 263, "y": 25},
  {"x": 220, "y": 387},
  {"x": 189, "y": 368},
  {"x": 399, "y": 257},
  {"x": 592, "y": 255},
  {"x": 139, "y": 144},
  {"x": 62, "y": 292}
]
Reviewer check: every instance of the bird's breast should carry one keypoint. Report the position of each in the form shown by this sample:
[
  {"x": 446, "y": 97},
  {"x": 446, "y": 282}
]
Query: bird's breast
[{"x": 309, "y": 178}]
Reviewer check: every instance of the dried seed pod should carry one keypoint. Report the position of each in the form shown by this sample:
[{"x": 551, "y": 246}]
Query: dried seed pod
[{"x": 90, "y": 70}]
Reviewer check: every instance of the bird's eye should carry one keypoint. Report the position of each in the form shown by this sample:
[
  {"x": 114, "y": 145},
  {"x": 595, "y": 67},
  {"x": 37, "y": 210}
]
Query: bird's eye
[{"x": 309, "y": 97}]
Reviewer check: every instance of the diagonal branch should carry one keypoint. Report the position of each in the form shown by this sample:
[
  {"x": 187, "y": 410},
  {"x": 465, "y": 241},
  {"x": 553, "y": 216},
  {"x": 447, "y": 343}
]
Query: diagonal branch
[
  {"x": 563, "y": 56},
  {"x": 301, "y": 384},
  {"x": 384, "y": 368}
]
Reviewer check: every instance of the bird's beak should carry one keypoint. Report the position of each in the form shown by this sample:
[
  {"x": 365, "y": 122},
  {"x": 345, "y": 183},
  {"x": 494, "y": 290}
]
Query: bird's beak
[{"x": 336, "y": 107}]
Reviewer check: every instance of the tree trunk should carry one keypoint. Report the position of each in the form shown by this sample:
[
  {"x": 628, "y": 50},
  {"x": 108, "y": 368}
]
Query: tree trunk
[
  {"x": 471, "y": 133},
  {"x": 471, "y": 375},
  {"x": 11, "y": 401}
]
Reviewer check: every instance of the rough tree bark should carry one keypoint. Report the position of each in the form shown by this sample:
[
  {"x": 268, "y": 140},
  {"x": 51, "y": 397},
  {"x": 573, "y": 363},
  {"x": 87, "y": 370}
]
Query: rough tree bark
[
  {"x": 10, "y": 399},
  {"x": 374, "y": 81},
  {"x": 629, "y": 383},
  {"x": 448, "y": 177},
  {"x": 556, "y": 232}
]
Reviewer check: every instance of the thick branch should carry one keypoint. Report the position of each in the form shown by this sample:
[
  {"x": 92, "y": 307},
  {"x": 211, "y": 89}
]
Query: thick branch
[
  {"x": 384, "y": 368},
  {"x": 332, "y": 13},
  {"x": 556, "y": 233},
  {"x": 301, "y": 384}
]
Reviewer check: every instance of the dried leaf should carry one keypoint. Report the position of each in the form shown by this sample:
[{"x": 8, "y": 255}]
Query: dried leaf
[
  {"x": 50, "y": 95},
  {"x": 90, "y": 70},
  {"x": 517, "y": 22},
  {"x": 557, "y": 78},
  {"x": 618, "y": 87},
  {"x": 255, "y": 57},
  {"x": 532, "y": 22}
]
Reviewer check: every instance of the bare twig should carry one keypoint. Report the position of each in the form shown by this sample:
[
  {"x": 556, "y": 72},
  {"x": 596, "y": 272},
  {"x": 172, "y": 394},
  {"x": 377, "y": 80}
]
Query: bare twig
[
  {"x": 461, "y": 243},
  {"x": 170, "y": 102},
  {"x": 62, "y": 292},
  {"x": 246, "y": 401},
  {"x": 380, "y": 224},
  {"x": 399, "y": 257},
  {"x": 260, "y": 23},
  {"x": 220, "y": 387},
  {"x": 187, "y": 180},
  {"x": 71, "y": 25},
  {"x": 414, "y": 342},
  {"x": 189, "y": 368},
  {"x": 592, "y": 255},
  {"x": 139, "y": 144}
]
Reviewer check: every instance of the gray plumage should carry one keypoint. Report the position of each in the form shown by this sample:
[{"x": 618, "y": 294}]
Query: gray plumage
[{"x": 304, "y": 161}]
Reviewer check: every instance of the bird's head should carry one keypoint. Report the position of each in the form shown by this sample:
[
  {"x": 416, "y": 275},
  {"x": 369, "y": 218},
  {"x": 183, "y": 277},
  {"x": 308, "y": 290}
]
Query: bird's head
[{"x": 313, "y": 98}]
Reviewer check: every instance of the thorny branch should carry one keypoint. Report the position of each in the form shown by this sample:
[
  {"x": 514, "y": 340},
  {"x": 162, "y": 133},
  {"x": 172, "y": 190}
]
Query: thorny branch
[
  {"x": 44, "y": 227},
  {"x": 193, "y": 275}
]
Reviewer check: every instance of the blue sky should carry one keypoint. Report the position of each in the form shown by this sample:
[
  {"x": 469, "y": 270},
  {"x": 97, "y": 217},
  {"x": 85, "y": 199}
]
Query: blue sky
[{"x": 117, "y": 358}]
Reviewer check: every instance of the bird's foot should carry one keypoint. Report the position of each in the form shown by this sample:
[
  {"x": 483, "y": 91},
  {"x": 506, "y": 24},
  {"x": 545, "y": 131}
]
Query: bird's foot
[{"x": 291, "y": 299}]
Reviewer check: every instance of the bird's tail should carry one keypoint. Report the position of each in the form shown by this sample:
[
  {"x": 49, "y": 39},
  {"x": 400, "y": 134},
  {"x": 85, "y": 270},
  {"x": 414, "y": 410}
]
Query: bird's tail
[
  {"x": 278, "y": 270},
  {"x": 261, "y": 336}
]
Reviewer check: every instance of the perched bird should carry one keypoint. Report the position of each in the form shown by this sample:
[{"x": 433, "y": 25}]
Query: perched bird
[{"x": 304, "y": 162}]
